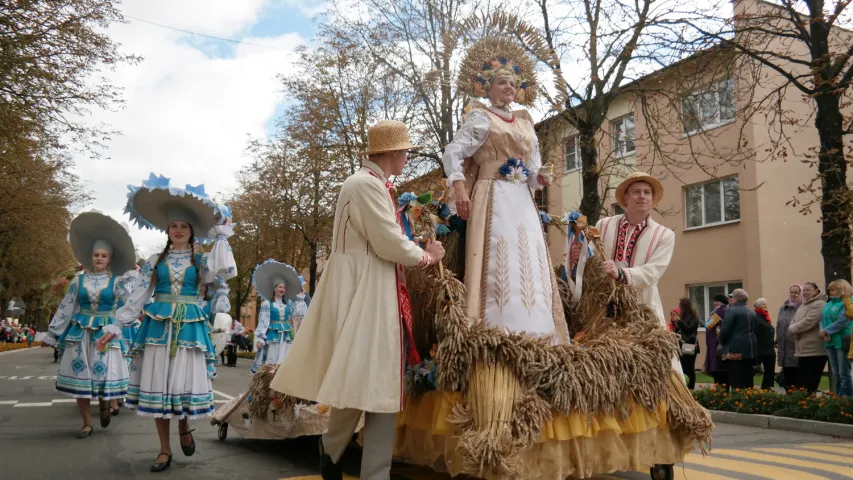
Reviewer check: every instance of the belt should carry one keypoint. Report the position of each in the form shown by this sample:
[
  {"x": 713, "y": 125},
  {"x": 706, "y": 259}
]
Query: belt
[
  {"x": 178, "y": 314},
  {"x": 95, "y": 313},
  {"x": 166, "y": 298}
]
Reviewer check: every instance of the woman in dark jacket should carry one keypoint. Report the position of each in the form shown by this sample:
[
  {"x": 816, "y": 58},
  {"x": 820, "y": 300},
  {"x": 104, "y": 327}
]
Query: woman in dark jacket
[
  {"x": 785, "y": 344},
  {"x": 713, "y": 354},
  {"x": 686, "y": 329},
  {"x": 740, "y": 346},
  {"x": 765, "y": 335}
]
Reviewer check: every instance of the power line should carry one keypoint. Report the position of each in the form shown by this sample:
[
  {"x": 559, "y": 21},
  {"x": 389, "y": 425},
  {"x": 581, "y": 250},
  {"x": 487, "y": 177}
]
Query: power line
[{"x": 204, "y": 35}]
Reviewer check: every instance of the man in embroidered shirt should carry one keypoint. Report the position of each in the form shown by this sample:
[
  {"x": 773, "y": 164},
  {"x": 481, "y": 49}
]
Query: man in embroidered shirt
[
  {"x": 356, "y": 340},
  {"x": 637, "y": 248}
]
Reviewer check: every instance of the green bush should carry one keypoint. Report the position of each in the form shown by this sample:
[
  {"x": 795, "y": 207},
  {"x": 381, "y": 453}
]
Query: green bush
[{"x": 793, "y": 404}]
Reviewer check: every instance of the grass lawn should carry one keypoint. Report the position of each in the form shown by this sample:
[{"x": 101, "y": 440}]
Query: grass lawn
[{"x": 705, "y": 378}]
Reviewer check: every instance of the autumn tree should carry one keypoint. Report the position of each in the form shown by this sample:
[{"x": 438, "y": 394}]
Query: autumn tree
[
  {"x": 52, "y": 55},
  {"x": 801, "y": 52}
]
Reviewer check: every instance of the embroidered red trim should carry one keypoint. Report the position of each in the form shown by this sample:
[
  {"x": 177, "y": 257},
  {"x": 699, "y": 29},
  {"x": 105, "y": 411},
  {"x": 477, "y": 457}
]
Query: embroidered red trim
[{"x": 512, "y": 119}]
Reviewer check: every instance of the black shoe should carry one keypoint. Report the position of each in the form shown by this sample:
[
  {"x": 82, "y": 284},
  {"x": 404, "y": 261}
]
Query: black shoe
[
  {"x": 188, "y": 450},
  {"x": 329, "y": 470},
  {"x": 105, "y": 421},
  {"x": 85, "y": 433},
  {"x": 162, "y": 466}
]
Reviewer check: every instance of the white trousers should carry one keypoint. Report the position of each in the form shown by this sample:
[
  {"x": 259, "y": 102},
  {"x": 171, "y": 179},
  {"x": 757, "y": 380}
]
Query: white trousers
[{"x": 378, "y": 440}]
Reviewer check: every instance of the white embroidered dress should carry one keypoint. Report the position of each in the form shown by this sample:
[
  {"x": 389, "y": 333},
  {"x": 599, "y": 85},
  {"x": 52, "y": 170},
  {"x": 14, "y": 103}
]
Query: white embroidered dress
[
  {"x": 508, "y": 274},
  {"x": 85, "y": 372},
  {"x": 163, "y": 385},
  {"x": 274, "y": 341}
]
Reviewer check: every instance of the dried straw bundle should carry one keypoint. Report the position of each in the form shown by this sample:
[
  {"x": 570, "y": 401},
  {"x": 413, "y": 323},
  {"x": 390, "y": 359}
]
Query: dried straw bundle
[
  {"x": 260, "y": 391},
  {"x": 686, "y": 416}
]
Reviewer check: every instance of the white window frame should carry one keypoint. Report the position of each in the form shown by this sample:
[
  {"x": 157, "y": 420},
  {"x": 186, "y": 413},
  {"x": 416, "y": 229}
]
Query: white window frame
[
  {"x": 704, "y": 223},
  {"x": 619, "y": 142},
  {"x": 707, "y": 297},
  {"x": 715, "y": 121},
  {"x": 576, "y": 153}
]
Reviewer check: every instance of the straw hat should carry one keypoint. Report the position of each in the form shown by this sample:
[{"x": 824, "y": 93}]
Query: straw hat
[
  {"x": 158, "y": 203},
  {"x": 388, "y": 136},
  {"x": 270, "y": 273},
  {"x": 657, "y": 188},
  {"x": 91, "y": 230}
]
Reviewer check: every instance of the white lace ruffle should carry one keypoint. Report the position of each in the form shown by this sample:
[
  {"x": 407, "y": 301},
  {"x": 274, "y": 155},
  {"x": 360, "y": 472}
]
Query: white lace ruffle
[{"x": 114, "y": 329}]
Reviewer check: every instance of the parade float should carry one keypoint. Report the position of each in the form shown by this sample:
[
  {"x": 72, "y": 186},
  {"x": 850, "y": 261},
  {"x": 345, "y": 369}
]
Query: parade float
[{"x": 497, "y": 405}]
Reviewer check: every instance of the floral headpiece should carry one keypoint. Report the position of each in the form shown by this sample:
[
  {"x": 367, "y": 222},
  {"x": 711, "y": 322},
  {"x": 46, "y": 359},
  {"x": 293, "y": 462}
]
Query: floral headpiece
[{"x": 494, "y": 56}]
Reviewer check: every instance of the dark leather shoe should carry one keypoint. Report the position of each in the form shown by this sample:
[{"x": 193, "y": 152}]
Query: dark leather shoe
[
  {"x": 162, "y": 466},
  {"x": 85, "y": 432},
  {"x": 105, "y": 421},
  {"x": 188, "y": 450},
  {"x": 329, "y": 470}
]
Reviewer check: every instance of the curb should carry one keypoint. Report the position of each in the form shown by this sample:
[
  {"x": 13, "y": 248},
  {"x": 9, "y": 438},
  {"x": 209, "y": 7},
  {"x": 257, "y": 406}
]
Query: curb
[
  {"x": 783, "y": 423},
  {"x": 9, "y": 352}
]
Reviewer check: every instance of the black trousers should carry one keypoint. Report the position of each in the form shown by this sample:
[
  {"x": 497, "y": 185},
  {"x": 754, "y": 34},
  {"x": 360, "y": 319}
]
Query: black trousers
[
  {"x": 791, "y": 378},
  {"x": 811, "y": 369},
  {"x": 768, "y": 364},
  {"x": 688, "y": 364},
  {"x": 740, "y": 373}
]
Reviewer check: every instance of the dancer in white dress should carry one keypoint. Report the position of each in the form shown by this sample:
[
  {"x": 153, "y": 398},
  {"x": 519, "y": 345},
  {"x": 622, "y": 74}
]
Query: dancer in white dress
[
  {"x": 300, "y": 306},
  {"x": 173, "y": 355},
  {"x": 86, "y": 372},
  {"x": 277, "y": 283}
]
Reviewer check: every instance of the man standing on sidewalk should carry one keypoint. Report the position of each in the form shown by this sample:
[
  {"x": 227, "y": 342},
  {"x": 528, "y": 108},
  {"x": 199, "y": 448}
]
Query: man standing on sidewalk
[{"x": 356, "y": 339}]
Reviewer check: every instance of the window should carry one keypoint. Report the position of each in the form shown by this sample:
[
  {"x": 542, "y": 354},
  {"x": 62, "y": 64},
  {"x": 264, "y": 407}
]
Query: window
[
  {"x": 573, "y": 153},
  {"x": 702, "y": 296},
  {"x": 710, "y": 108},
  {"x": 622, "y": 131},
  {"x": 617, "y": 210},
  {"x": 713, "y": 203}
]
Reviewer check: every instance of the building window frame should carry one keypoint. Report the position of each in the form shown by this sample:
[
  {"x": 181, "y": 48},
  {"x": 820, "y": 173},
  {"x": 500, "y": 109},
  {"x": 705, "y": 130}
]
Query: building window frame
[
  {"x": 708, "y": 290},
  {"x": 622, "y": 141},
  {"x": 574, "y": 152},
  {"x": 617, "y": 209},
  {"x": 728, "y": 190},
  {"x": 710, "y": 107}
]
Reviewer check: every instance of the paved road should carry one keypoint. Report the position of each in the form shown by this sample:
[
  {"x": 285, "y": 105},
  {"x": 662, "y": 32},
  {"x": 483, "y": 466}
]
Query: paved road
[{"x": 38, "y": 426}]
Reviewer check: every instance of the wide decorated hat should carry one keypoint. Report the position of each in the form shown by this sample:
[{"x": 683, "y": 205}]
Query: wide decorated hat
[
  {"x": 492, "y": 57},
  {"x": 92, "y": 230},
  {"x": 270, "y": 273},
  {"x": 157, "y": 203}
]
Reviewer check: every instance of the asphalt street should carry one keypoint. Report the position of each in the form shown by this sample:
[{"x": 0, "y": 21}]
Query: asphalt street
[{"x": 38, "y": 426}]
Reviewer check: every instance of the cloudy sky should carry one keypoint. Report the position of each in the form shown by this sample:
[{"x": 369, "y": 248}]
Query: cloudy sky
[{"x": 193, "y": 102}]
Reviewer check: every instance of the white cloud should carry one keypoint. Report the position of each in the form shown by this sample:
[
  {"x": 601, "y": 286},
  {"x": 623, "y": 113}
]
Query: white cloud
[{"x": 187, "y": 115}]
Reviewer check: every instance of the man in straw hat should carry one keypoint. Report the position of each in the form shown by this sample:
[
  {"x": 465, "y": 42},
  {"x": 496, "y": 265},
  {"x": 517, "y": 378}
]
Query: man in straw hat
[
  {"x": 355, "y": 341},
  {"x": 637, "y": 248}
]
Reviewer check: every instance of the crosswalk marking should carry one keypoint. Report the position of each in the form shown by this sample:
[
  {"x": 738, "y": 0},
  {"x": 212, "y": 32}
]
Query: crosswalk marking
[
  {"x": 34, "y": 404},
  {"x": 810, "y": 454},
  {"x": 840, "y": 448},
  {"x": 794, "y": 462},
  {"x": 766, "y": 471}
]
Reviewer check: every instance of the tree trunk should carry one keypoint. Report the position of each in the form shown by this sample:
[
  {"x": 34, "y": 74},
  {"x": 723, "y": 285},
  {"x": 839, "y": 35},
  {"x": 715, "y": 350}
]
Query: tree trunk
[
  {"x": 312, "y": 269},
  {"x": 590, "y": 173},
  {"x": 835, "y": 201}
]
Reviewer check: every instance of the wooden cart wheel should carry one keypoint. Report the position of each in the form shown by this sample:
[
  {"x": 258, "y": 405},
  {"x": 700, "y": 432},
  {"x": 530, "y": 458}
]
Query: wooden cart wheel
[
  {"x": 662, "y": 472},
  {"x": 223, "y": 431}
]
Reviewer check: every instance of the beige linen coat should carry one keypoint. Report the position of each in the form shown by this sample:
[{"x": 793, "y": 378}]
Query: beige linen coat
[
  {"x": 805, "y": 328},
  {"x": 349, "y": 351}
]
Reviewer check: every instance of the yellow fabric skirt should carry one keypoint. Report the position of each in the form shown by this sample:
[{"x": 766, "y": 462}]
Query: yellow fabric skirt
[{"x": 575, "y": 445}]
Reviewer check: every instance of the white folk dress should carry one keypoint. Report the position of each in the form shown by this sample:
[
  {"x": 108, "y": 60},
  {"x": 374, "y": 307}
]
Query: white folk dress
[
  {"x": 173, "y": 355},
  {"x": 508, "y": 276},
  {"x": 274, "y": 333},
  {"x": 88, "y": 308},
  {"x": 300, "y": 309}
]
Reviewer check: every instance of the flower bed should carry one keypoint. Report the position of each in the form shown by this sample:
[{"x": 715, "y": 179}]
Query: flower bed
[
  {"x": 5, "y": 347},
  {"x": 795, "y": 404}
]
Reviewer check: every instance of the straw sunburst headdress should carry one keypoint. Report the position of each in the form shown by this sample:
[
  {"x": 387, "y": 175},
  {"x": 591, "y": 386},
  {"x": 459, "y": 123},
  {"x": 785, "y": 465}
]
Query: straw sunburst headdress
[{"x": 494, "y": 56}]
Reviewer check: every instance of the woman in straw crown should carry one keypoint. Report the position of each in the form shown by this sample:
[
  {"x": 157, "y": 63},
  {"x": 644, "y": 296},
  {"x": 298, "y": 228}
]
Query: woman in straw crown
[
  {"x": 106, "y": 251},
  {"x": 173, "y": 355},
  {"x": 494, "y": 158},
  {"x": 277, "y": 283}
]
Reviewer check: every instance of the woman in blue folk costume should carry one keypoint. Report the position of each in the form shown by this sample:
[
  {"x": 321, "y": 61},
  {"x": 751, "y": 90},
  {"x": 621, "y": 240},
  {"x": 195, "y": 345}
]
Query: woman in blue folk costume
[
  {"x": 173, "y": 356},
  {"x": 277, "y": 283},
  {"x": 87, "y": 372}
]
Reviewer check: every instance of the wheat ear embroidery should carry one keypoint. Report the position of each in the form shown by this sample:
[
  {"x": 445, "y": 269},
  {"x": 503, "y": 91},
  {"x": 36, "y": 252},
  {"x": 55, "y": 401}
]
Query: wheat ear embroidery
[
  {"x": 528, "y": 288},
  {"x": 502, "y": 272}
]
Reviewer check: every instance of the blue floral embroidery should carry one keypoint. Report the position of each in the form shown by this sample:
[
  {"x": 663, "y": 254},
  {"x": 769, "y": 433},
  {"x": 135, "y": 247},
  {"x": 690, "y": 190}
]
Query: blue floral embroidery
[
  {"x": 78, "y": 365},
  {"x": 99, "y": 368}
]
